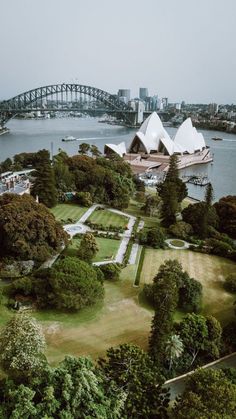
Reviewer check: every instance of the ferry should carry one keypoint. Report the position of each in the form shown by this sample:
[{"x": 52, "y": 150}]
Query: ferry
[
  {"x": 217, "y": 138},
  {"x": 69, "y": 138}
]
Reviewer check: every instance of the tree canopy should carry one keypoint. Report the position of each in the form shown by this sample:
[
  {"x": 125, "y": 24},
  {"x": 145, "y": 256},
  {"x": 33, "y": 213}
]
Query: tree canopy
[
  {"x": 226, "y": 211},
  {"x": 22, "y": 345},
  {"x": 70, "y": 284},
  {"x": 208, "y": 394},
  {"x": 133, "y": 371},
  {"x": 27, "y": 229}
]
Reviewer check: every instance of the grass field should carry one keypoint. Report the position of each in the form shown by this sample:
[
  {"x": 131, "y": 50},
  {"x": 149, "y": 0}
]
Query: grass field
[
  {"x": 121, "y": 317},
  {"x": 107, "y": 248},
  {"x": 209, "y": 270},
  {"x": 107, "y": 218},
  {"x": 64, "y": 211}
]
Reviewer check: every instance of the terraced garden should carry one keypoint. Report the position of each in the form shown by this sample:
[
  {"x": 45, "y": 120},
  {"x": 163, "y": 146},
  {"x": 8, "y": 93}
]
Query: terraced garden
[
  {"x": 106, "y": 218},
  {"x": 64, "y": 212},
  {"x": 107, "y": 248}
]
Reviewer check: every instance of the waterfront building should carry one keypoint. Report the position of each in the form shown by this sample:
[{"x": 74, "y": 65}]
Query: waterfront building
[{"x": 151, "y": 146}]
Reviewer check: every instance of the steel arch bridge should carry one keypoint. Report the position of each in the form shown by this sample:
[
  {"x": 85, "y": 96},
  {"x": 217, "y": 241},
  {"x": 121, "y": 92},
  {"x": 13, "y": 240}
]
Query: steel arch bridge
[{"x": 25, "y": 102}]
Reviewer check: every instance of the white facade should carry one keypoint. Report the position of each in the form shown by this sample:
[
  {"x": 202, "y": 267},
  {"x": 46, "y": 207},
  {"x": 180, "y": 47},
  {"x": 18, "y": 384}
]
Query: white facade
[{"x": 119, "y": 149}]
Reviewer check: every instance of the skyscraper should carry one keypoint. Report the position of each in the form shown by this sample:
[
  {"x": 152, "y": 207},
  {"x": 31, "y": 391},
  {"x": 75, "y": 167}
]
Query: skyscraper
[{"x": 143, "y": 93}]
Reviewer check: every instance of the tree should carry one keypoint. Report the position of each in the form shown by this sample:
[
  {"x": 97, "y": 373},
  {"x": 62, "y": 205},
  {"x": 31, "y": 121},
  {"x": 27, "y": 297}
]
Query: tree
[
  {"x": 84, "y": 198},
  {"x": 22, "y": 345},
  {"x": 166, "y": 299},
  {"x": 44, "y": 185},
  {"x": 172, "y": 191},
  {"x": 70, "y": 284},
  {"x": 181, "y": 230},
  {"x": 64, "y": 179},
  {"x": 95, "y": 151},
  {"x": 209, "y": 194},
  {"x": 27, "y": 229},
  {"x": 174, "y": 349},
  {"x": 152, "y": 205},
  {"x": 111, "y": 271},
  {"x": 226, "y": 211},
  {"x": 194, "y": 214},
  {"x": 84, "y": 148},
  {"x": 190, "y": 294},
  {"x": 208, "y": 394},
  {"x": 73, "y": 389},
  {"x": 88, "y": 247},
  {"x": 153, "y": 237},
  {"x": 230, "y": 283},
  {"x": 133, "y": 371}
]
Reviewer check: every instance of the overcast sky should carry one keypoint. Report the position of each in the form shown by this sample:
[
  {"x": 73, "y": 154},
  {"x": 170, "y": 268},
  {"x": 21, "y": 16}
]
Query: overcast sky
[{"x": 182, "y": 49}]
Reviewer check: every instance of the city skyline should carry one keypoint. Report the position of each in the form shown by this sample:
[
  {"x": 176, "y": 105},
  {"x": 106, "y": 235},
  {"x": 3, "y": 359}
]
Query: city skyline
[{"x": 183, "y": 51}]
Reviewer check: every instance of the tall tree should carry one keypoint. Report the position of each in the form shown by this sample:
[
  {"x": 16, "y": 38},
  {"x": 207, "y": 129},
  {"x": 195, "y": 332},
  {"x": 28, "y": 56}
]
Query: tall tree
[
  {"x": 166, "y": 300},
  {"x": 22, "y": 345},
  {"x": 44, "y": 185},
  {"x": 172, "y": 191},
  {"x": 95, "y": 151},
  {"x": 133, "y": 371}
]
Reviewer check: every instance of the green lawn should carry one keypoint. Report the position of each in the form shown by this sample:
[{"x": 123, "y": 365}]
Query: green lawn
[
  {"x": 134, "y": 209},
  {"x": 210, "y": 270},
  {"x": 107, "y": 248},
  {"x": 63, "y": 212},
  {"x": 107, "y": 218}
]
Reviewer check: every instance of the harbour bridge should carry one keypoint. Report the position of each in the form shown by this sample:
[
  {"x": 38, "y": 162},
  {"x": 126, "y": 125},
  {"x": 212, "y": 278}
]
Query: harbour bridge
[{"x": 51, "y": 98}]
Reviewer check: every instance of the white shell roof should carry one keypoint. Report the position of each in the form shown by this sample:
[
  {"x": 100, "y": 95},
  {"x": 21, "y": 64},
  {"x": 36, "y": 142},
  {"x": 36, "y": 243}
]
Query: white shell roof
[
  {"x": 119, "y": 149},
  {"x": 152, "y": 135},
  {"x": 188, "y": 138}
]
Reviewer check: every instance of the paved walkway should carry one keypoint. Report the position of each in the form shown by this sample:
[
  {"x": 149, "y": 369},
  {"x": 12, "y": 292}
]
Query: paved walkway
[
  {"x": 133, "y": 254},
  {"x": 80, "y": 227}
]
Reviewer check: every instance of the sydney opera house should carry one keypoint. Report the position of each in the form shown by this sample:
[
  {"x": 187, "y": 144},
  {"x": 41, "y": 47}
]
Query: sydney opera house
[{"x": 152, "y": 146}]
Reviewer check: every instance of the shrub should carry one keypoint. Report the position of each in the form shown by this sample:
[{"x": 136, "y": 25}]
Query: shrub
[
  {"x": 111, "y": 271},
  {"x": 219, "y": 248},
  {"x": 153, "y": 237},
  {"x": 181, "y": 229},
  {"x": 84, "y": 198},
  {"x": 230, "y": 283}
]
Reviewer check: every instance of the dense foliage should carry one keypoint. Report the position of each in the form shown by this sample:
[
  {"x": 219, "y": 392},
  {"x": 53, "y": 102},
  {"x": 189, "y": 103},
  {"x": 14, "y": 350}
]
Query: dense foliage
[
  {"x": 154, "y": 237},
  {"x": 70, "y": 284},
  {"x": 208, "y": 394},
  {"x": 133, "y": 371},
  {"x": 21, "y": 346},
  {"x": 189, "y": 289},
  {"x": 27, "y": 229},
  {"x": 111, "y": 271},
  {"x": 75, "y": 389},
  {"x": 181, "y": 230},
  {"x": 230, "y": 283},
  {"x": 226, "y": 211},
  {"x": 195, "y": 215}
]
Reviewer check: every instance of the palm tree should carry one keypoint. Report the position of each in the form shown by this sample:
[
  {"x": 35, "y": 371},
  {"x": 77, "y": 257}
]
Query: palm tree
[{"x": 174, "y": 349}]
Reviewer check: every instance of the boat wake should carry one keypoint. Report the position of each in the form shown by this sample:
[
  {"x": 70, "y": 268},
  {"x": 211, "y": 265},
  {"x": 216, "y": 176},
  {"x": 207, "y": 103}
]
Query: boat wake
[{"x": 99, "y": 138}]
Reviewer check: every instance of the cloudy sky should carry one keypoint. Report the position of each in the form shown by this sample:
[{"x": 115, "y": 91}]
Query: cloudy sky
[{"x": 185, "y": 49}]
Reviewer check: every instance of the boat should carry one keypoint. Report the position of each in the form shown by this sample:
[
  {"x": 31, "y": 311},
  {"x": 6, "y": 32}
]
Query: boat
[
  {"x": 4, "y": 130},
  {"x": 217, "y": 138},
  {"x": 69, "y": 138}
]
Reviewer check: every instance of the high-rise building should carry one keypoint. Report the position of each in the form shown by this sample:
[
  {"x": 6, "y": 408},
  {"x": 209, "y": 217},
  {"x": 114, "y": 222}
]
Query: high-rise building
[
  {"x": 143, "y": 93},
  {"x": 213, "y": 108},
  {"x": 124, "y": 93}
]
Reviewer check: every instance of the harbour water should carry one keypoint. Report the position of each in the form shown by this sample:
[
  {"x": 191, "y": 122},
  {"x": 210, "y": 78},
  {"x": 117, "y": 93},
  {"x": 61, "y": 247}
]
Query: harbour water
[{"x": 33, "y": 135}]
